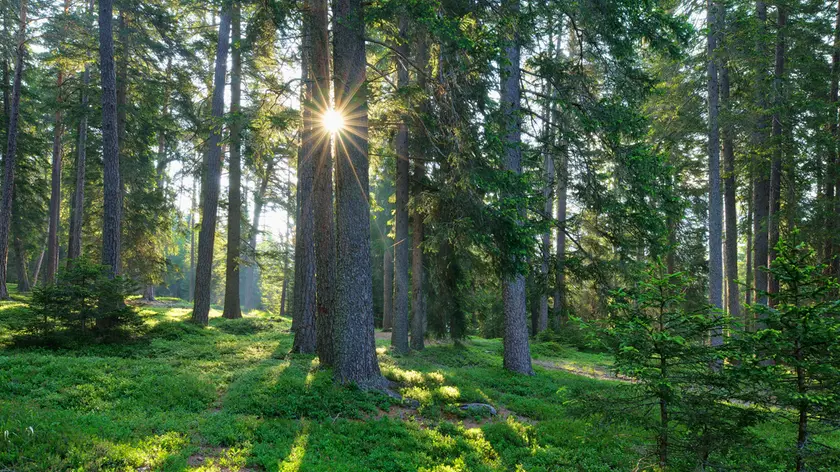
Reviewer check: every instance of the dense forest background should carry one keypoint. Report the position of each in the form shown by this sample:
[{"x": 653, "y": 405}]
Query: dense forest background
[{"x": 442, "y": 169}]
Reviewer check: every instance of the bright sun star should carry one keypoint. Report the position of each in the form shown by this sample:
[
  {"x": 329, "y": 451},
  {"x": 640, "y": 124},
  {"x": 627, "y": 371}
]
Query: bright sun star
[{"x": 333, "y": 121}]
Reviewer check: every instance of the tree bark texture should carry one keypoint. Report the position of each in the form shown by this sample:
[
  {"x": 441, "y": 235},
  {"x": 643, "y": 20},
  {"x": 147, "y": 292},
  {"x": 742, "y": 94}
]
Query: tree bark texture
[
  {"x": 232, "y": 309},
  {"x": 399, "y": 335},
  {"x": 356, "y": 361},
  {"x": 715, "y": 201},
  {"x": 11, "y": 155},
  {"x": 305, "y": 283},
  {"x": 517, "y": 355},
  {"x": 210, "y": 182},
  {"x": 323, "y": 188}
]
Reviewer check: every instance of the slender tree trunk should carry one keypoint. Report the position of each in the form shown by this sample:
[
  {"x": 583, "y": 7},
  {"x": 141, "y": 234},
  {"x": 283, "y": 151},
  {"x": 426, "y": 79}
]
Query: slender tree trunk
[
  {"x": 715, "y": 202},
  {"x": 252, "y": 298},
  {"x": 38, "y": 263},
  {"x": 323, "y": 189},
  {"x": 305, "y": 283},
  {"x": 832, "y": 194},
  {"x": 418, "y": 299},
  {"x": 11, "y": 155},
  {"x": 548, "y": 209},
  {"x": 776, "y": 165},
  {"x": 749, "y": 275},
  {"x": 22, "y": 274},
  {"x": 192, "y": 242},
  {"x": 761, "y": 190},
  {"x": 74, "y": 246},
  {"x": 517, "y": 353},
  {"x": 354, "y": 335},
  {"x": 733, "y": 295},
  {"x": 561, "y": 176},
  {"x": 388, "y": 284},
  {"x": 210, "y": 182},
  {"x": 232, "y": 308},
  {"x": 399, "y": 336}
]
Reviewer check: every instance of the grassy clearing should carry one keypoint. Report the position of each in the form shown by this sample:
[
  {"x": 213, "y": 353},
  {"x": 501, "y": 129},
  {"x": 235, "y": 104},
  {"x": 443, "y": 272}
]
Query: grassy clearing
[{"x": 230, "y": 397}]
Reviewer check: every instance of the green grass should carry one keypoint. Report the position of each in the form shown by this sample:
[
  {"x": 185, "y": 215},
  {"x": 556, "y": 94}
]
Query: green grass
[{"x": 230, "y": 397}]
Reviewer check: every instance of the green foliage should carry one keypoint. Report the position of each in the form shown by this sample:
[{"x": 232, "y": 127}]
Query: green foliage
[
  {"x": 83, "y": 299},
  {"x": 682, "y": 384},
  {"x": 796, "y": 355}
]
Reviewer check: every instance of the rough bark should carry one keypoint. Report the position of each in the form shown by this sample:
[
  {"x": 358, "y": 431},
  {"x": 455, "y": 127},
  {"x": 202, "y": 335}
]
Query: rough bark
[
  {"x": 761, "y": 190},
  {"x": 305, "y": 283},
  {"x": 323, "y": 189},
  {"x": 399, "y": 335},
  {"x": 517, "y": 354},
  {"x": 715, "y": 201},
  {"x": 232, "y": 309},
  {"x": 776, "y": 164},
  {"x": 418, "y": 299},
  {"x": 210, "y": 182},
  {"x": 356, "y": 361},
  {"x": 548, "y": 209},
  {"x": 11, "y": 155},
  {"x": 74, "y": 246},
  {"x": 112, "y": 213},
  {"x": 733, "y": 293}
]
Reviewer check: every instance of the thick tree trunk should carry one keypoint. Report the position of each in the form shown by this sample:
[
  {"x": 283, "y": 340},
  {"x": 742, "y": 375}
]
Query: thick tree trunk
[
  {"x": 232, "y": 308},
  {"x": 112, "y": 213},
  {"x": 776, "y": 165},
  {"x": 761, "y": 189},
  {"x": 323, "y": 189},
  {"x": 11, "y": 155},
  {"x": 210, "y": 182},
  {"x": 715, "y": 201},
  {"x": 517, "y": 353},
  {"x": 399, "y": 336},
  {"x": 305, "y": 284},
  {"x": 356, "y": 361}
]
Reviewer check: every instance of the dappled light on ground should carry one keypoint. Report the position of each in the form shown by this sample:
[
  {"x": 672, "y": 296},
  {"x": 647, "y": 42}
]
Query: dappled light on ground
[{"x": 230, "y": 397}]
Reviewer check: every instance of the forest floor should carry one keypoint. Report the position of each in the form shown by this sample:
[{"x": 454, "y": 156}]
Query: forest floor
[{"x": 231, "y": 398}]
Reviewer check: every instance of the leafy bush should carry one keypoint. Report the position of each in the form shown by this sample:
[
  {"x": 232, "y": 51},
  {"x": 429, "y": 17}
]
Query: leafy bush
[{"x": 84, "y": 299}]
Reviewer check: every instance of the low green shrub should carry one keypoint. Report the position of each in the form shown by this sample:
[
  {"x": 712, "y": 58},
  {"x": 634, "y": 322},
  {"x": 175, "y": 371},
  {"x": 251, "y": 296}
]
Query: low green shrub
[{"x": 83, "y": 300}]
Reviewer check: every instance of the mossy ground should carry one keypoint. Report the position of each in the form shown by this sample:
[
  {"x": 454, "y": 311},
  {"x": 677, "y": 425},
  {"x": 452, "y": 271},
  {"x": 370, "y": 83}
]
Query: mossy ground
[{"x": 231, "y": 397}]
